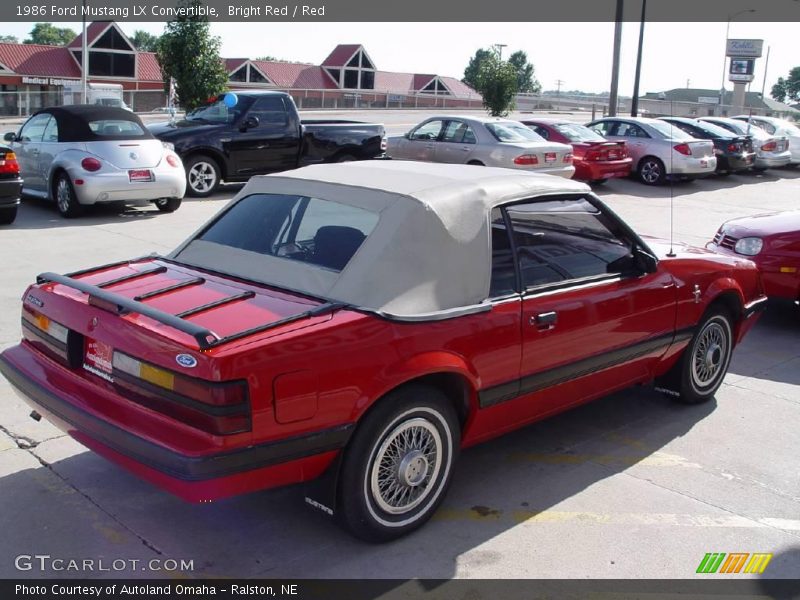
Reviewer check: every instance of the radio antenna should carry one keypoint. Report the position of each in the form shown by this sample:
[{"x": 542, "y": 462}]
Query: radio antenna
[{"x": 671, "y": 252}]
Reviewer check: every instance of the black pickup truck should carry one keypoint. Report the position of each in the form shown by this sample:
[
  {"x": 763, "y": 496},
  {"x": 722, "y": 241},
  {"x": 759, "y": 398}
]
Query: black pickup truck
[{"x": 246, "y": 133}]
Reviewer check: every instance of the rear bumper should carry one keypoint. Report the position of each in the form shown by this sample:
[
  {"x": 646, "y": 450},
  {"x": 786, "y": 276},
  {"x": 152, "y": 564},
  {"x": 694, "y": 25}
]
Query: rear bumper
[
  {"x": 735, "y": 162},
  {"x": 591, "y": 170},
  {"x": 10, "y": 192},
  {"x": 116, "y": 187},
  {"x": 562, "y": 171},
  {"x": 772, "y": 161},
  {"x": 195, "y": 478},
  {"x": 695, "y": 167}
]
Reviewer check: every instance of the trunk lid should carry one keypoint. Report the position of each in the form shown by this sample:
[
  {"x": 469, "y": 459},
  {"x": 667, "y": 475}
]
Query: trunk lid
[
  {"x": 600, "y": 151},
  {"x": 128, "y": 154},
  {"x": 176, "y": 302}
]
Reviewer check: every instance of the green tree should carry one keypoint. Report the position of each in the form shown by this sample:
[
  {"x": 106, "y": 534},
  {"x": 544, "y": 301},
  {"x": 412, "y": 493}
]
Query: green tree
[
  {"x": 190, "y": 54},
  {"x": 144, "y": 41},
  {"x": 789, "y": 88},
  {"x": 9, "y": 39},
  {"x": 474, "y": 67},
  {"x": 526, "y": 82},
  {"x": 50, "y": 35},
  {"x": 497, "y": 83}
]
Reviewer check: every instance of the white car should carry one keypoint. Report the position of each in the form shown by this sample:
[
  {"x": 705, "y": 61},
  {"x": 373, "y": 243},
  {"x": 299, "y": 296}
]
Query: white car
[
  {"x": 85, "y": 154},
  {"x": 779, "y": 128},
  {"x": 659, "y": 149},
  {"x": 772, "y": 150},
  {"x": 483, "y": 141}
]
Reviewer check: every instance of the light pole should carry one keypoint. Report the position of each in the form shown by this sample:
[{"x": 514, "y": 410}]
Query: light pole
[
  {"x": 499, "y": 48},
  {"x": 84, "y": 59},
  {"x": 635, "y": 99},
  {"x": 731, "y": 17},
  {"x": 612, "y": 95}
]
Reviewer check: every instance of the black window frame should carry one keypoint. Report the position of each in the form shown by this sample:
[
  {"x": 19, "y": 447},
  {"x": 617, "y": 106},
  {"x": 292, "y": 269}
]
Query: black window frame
[{"x": 636, "y": 242}]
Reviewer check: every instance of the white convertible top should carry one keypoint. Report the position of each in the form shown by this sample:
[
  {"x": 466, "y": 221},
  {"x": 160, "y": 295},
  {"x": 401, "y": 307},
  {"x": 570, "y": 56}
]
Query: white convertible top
[{"x": 428, "y": 257}]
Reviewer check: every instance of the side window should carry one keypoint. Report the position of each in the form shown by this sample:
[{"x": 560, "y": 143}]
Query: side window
[
  {"x": 765, "y": 125},
  {"x": 457, "y": 132},
  {"x": 33, "y": 130},
  {"x": 603, "y": 127},
  {"x": 560, "y": 240},
  {"x": 51, "y": 131},
  {"x": 428, "y": 131},
  {"x": 504, "y": 278},
  {"x": 630, "y": 130},
  {"x": 270, "y": 111}
]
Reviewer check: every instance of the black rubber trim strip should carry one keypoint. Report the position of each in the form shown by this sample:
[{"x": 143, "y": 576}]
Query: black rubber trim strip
[
  {"x": 118, "y": 263},
  {"x": 132, "y": 276},
  {"x": 314, "y": 312},
  {"x": 756, "y": 306},
  {"x": 178, "y": 466},
  {"x": 222, "y": 301},
  {"x": 170, "y": 288},
  {"x": 580, "y": 368}
]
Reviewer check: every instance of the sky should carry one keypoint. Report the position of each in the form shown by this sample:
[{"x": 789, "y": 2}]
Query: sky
[{"x": 578, "y": 54}]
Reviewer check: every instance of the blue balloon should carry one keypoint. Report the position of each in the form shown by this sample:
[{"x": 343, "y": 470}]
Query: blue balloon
[{"x": 230, "y": 99}]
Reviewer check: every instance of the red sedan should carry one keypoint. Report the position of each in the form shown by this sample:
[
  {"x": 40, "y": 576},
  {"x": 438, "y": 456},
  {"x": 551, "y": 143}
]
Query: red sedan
[
  {"x": 770, "y": 240},
  {"x": 361, "y": 323},
  {"x": 595, "y": 158}
]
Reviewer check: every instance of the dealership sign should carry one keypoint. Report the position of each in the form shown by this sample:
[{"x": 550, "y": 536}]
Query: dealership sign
[
  {"x": 744, "y": 48},
  {"x": 49, "y": 81}
]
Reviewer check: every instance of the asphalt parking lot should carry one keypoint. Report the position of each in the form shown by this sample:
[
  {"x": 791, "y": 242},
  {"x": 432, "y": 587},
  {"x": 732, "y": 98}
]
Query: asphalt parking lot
[{"x": 631, "y": 486}]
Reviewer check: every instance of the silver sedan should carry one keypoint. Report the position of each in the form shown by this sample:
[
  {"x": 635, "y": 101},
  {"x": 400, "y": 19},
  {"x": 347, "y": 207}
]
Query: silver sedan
[
  {"x": 84, "y": 154},
  {"x": 659, "y": 149},
  {"x": 772, "y": 150},
  {"x": 486, "y": 141}
]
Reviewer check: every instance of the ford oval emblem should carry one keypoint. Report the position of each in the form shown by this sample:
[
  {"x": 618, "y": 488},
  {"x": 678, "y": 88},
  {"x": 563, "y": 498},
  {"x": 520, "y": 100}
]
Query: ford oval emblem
[{"x": 186, "y": 360}]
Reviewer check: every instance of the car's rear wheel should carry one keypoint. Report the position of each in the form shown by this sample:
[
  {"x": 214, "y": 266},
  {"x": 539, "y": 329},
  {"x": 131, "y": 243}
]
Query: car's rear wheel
[
  {"x": 66, "y": 200},
  {"x": 476, "y": 163},
  {"x": 168, "y": 205},
  {"x": 705, "y": 361},
  {"x": 202, "y": 176},
  {"x": 398, "y": 465},
  {"x": 651, "y": 171},
  {"x": 7, "y": 215}
]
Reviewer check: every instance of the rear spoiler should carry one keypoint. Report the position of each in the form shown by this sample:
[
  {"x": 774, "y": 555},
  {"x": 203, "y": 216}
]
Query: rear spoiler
[{"x": 205, "y": 338}]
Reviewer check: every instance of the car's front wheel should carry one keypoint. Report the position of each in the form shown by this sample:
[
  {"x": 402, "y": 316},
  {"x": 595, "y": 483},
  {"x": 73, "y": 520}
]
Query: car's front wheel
[
  {"x": 168, "y": 205},
  {"x": 7, "y": 215},
  {"x": 705, "y": 361},
  {"x": 398, "y": 465},
  {"x": 202, "y": 176},
  {"x": 652, "y": 171},
  {"x": 66, "y": 200}
]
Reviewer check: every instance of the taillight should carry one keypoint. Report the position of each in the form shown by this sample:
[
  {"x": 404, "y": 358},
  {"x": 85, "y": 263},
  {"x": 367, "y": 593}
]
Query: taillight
[
  {"x": 218, "y": 408},
  {"x": 9, "y": 164},
  {"x": 51, "y": 338},
  {"x": 770, "y": 146},
  {"x": 91, "y": 164},
  {"x": 173, "y": 160},
  {"x": 733, "y": 147},
  {"x": 683, "y": 149},
  {"x": 592, "y": 155},
  {"x": 383, "y": 144},
  {"x": 567, "y": 158},
  {"x": 526, "y": 159}
]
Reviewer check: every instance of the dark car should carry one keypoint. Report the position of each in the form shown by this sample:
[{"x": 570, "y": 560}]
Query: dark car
[
  {"x": 10, "y": 185},
  {"x": 359, "y": 324},
  {"x": 734, "y": 152},
  {"x": 770, "y": 240},
  {"x": 241, "y": 134},
  {"x": 595, "y": 158}
]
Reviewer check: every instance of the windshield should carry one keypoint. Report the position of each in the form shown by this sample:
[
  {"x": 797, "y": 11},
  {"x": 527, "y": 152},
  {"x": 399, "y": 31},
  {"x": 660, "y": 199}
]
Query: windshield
[
  {"x": 511, "y": 131},
  {"x": 714, "y": 129},
  {"x": 748, "y": 129},
  {"x": 578, "y": 133},
  {"x": 218, "y": 112},
  {"x": 669, "y": 130}
]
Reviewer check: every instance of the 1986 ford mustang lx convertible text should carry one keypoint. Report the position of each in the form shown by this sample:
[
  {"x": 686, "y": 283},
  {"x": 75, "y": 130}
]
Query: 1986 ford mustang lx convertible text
[{"x": 361, "y": 323}]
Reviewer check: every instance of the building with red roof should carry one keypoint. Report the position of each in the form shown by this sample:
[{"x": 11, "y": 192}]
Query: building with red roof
[{"x": 34, "y": 76}]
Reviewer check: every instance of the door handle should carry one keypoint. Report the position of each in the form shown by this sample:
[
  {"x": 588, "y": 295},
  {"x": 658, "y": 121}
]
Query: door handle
[
  {"x": 466, "y": 149},
  {"x": 545, "y": 321}
]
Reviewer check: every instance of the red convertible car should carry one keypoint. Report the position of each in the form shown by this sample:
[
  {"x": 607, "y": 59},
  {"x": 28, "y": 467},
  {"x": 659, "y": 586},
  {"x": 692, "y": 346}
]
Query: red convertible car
[
  {"x": 365, "y": 322},
  {"x": 595, "y": 158},
  {"x": 772, "y": 241}
]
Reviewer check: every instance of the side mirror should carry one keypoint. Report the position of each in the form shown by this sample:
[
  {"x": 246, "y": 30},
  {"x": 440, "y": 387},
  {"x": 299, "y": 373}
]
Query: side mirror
[
  {"x": 646, "y": 262},
  {"x": 638, "y": 262},
  {"x": 250, "y": 123},
  {"x": 10, "y": 137},
  {"x": 407, "y": 134}
]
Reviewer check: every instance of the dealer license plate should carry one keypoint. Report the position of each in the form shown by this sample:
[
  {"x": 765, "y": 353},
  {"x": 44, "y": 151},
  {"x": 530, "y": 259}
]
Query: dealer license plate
[
  {"x": 139, "y": 175},
  {"x": 98, "y": 358}
]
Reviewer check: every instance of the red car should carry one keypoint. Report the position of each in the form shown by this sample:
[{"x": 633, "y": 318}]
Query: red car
[
  {"x": 365, "y": 321},
  {"x": 770, "y": 240},
  {"x": 596, "y": 159}
]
